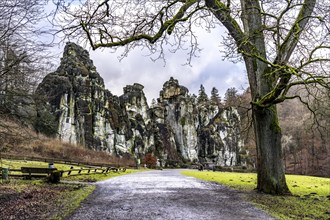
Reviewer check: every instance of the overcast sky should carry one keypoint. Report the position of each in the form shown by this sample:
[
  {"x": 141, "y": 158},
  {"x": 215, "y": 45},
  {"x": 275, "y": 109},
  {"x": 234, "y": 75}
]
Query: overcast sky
[{"x": 208, "y": 69}]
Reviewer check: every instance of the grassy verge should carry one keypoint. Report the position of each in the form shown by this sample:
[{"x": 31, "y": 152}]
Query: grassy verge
[
  {"x": 70, "y": 200},
  {"x": 310, "y": 200}
]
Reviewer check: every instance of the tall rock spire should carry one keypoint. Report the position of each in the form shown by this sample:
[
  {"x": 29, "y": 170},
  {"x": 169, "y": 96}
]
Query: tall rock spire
[{"x": 74, "y": 105}]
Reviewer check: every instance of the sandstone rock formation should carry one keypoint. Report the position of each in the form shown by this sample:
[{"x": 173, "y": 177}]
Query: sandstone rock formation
[{"x": 74, "y": 105}]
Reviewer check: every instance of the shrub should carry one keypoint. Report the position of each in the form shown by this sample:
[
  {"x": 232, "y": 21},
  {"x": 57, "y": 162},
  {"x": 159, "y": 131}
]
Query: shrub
[{"x": 150, "y": 161}]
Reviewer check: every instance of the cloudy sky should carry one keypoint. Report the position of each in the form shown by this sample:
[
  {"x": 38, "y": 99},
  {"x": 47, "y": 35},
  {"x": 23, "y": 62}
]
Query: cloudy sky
[{"x": 208, "y": 69}]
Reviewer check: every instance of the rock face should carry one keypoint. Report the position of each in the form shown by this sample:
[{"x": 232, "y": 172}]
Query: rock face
[
  {"x": 76, "y": 97},
  {"x": 200, "y": 131},
  {"x": 74, "y": 105}
]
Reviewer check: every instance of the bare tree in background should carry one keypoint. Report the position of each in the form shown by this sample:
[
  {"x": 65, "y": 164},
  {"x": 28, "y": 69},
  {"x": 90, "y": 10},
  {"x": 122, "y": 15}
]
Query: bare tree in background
[
  {"x": 22, "y": 47},
  {"x": 232, "y": 98},
  {"x": 282, "y": 43},
  {"x": 23, "y": 59}
]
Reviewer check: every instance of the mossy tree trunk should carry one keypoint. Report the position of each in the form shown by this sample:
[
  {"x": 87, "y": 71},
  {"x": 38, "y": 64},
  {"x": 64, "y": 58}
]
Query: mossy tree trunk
[
  {"x": 270, "y": 170},
  {"x": 271, "y": 175}
]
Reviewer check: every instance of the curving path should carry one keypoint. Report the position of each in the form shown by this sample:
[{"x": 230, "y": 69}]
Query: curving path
[{"x": 164, "y": 195}]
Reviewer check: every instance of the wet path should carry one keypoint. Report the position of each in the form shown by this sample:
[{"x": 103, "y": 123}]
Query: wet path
[{"x": 164, "y": 195}]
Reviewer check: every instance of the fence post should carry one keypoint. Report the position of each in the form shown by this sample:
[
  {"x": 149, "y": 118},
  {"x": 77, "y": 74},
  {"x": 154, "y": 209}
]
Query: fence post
[
  {"x": 70, "y": 171},
  {"x": 5, "y": 173}
]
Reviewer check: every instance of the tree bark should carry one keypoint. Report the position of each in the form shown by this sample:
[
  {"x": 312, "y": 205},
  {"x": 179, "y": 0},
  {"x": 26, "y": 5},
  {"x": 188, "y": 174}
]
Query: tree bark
[{"x": 270, "y": 170}]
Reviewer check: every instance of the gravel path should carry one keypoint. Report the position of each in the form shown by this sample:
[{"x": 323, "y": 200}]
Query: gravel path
[{"x": 164, "y": 195}]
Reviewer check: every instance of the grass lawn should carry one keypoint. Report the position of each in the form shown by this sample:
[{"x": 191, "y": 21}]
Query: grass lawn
[
  {"x": 17, "y": 164},
  {"x": 310, "y": 200},
  {"x": 37, "y": 199}
]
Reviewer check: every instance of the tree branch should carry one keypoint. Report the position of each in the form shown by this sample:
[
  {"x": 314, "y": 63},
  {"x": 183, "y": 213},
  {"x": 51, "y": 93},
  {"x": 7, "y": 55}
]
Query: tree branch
[
  {"x": 290, "y": 42},
  {"x": 222, "y": 13},
  {"x": 166, "y": 26}
]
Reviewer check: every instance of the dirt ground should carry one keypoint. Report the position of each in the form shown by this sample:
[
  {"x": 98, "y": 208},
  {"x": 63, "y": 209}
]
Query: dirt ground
[
  {"x": 24, "y": 200},
  {"x": 33, "y": 202}
]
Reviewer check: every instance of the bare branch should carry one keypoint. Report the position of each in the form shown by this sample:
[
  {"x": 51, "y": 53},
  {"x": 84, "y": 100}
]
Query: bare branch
[
  {"x": 222, "y": 13},
  {"x": 290, "y": 42},
  {"x": 165, "y": 26}
]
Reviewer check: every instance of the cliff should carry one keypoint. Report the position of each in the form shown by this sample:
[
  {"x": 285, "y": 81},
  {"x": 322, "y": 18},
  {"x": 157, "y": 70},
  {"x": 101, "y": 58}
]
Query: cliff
[{"x": 74, "y": 105}]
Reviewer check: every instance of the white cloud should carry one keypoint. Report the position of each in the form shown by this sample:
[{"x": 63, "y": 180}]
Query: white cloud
[{"x": 209, "y": 69}]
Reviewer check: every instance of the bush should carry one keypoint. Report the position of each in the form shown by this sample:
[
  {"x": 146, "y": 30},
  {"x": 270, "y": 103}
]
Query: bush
[{"x": 150, "y": 161}]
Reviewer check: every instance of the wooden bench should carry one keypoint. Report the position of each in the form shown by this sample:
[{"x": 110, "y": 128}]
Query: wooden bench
[{"x": 36, "y": 172}]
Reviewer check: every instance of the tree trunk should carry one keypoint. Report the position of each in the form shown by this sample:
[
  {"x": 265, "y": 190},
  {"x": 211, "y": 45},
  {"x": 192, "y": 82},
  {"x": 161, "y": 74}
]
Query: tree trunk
[{"x": 271, "y": 174}]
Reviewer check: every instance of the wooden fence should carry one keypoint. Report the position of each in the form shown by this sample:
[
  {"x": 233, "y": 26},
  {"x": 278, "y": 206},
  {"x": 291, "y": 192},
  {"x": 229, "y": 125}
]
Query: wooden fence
[
  {"x": 85, "y": 167},
  {"x": 91, "y": 170},
  {"x": 55, "y": 160},
  {"x": 70, "y": 172}
]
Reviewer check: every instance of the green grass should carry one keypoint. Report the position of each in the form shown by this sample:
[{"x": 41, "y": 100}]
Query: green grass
[
  {"x": 310, "y": 200},
  {"x": 304, "y": 185},
  {"x": 17, "y": 164},
  {"x": 241, "y": 181}
]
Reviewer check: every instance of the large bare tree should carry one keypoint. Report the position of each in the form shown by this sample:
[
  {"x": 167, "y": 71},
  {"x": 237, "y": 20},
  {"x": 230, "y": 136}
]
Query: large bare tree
[{"x": 283, "y": 43}]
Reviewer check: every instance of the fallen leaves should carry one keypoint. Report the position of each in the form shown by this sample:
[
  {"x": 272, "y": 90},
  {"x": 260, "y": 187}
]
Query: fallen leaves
[{"x": 32, "y": 202}]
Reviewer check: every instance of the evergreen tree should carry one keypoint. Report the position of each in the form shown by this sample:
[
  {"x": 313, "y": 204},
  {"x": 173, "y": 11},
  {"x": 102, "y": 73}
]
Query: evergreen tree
[
  {"x": 215, "y": 97},
  {"x": 202, "y": 96}
]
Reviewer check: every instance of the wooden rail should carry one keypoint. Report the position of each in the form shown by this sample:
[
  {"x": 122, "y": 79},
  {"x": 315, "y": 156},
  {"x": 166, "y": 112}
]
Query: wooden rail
[
  {"x": 91, "y": 170},
  {"x": 83, "y": 171},
  {"x": 11, "y": 170}
]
